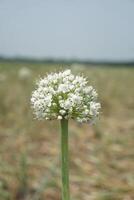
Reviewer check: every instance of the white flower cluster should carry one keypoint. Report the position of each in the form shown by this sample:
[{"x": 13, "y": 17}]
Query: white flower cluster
[{"x": 63, "y": 95}]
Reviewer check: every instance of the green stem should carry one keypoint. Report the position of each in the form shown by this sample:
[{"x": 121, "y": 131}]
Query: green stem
[{"x": 64, "y": 160}]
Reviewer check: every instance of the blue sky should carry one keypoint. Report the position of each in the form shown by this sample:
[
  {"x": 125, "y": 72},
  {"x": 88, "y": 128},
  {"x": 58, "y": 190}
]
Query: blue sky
[{"x": 84, "y": 29}]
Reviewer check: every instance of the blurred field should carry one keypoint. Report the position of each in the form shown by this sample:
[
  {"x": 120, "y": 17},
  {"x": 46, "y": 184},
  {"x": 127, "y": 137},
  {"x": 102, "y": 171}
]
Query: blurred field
[{"x": 101, "y": 157}]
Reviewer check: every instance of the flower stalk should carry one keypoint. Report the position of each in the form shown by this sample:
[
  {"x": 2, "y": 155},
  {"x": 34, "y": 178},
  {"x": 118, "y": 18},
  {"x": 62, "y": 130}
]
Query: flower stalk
[{"x": 64, "y": 160}]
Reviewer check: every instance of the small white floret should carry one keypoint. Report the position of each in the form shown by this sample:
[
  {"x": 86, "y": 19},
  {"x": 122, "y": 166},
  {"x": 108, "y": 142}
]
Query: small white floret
[{"x": 59, "y": 117}]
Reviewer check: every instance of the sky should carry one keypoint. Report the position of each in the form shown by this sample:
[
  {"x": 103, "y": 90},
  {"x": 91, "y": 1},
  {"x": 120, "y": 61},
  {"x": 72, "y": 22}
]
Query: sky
[{"x": 80, "y": 29}]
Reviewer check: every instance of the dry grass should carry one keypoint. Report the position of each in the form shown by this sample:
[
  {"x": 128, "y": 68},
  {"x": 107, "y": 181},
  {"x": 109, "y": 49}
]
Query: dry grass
[{"x": 101, "y": 157}]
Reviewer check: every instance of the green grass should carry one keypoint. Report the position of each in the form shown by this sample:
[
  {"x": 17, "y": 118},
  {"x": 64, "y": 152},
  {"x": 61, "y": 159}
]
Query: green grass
[{"x": 101, "y": 156}]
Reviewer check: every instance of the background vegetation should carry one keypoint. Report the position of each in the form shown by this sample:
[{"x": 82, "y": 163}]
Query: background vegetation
[{"x": 101, "y": 156}]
